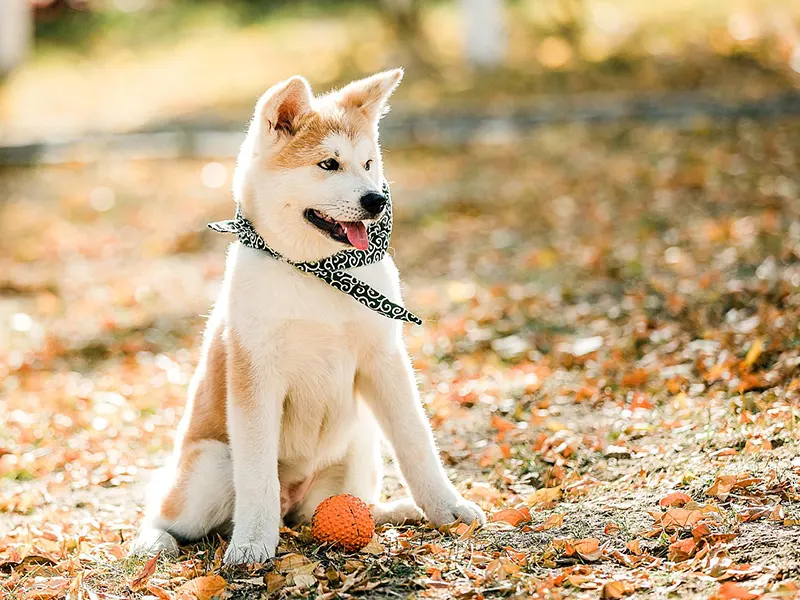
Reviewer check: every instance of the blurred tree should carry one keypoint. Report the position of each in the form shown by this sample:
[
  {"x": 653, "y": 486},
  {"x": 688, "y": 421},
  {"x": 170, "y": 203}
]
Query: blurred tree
[
  {"x": 15, "y": 33},
  {"x": 405, "y": 19}
]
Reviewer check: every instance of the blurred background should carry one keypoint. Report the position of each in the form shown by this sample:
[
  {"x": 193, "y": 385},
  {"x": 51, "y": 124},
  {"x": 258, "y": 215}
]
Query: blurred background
[{"x": 601, "y": 189}]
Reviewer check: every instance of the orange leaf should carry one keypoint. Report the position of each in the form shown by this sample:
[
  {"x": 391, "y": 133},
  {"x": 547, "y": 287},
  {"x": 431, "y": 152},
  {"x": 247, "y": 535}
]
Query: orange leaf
[
  {"x": 732, "y": 591},
  {"x": 635, "y": 378},
  {"x": 682, "y": 550},
  {"x": 204, "y": 588},
  {"x": 554, "y": 520},
  {"x": 544, "y": 496},
  {"x": 48, "y": 590},
  {"x": 675, "y": 499},
  {"x": 588, "y": 549},
  {"x": 679, "y": 517},
  {"x": 502, "y": 424},
  {"x": 159, "y": 593},
  {"x": 611, "y": 529},
  {"x": 752, "y": 354},
  {"x": 634, "y": 547},
  {"x": 512, "y": 516},
  {"x": 139, "y": 581},
  {"x": 615, "y": 589}
]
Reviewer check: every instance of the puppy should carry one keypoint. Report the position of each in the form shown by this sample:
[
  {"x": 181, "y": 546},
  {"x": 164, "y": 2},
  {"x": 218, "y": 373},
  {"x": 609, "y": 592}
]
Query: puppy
[{"x": 298, "y": 380}]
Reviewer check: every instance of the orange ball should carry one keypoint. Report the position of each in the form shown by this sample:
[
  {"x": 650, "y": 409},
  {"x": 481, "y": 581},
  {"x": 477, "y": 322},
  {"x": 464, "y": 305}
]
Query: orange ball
[{"x": 343, "y": 521}]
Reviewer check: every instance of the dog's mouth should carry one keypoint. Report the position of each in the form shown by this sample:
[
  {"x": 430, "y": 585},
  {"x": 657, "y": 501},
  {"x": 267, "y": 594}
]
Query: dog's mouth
[{"x": 351, "y": 233}]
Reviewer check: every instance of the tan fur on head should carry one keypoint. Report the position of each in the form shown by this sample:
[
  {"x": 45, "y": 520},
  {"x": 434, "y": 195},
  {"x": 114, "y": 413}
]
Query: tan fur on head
[
  {"x": 369, "y": 95},
  {"x": 277, "y": 175},
  {"x": 283, "y": 105}
]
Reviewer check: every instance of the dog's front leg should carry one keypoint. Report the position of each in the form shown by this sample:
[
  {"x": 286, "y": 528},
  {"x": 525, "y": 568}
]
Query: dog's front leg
[
  {"x": 255, "y": 401},
  {"x": 388, "y": 385}
]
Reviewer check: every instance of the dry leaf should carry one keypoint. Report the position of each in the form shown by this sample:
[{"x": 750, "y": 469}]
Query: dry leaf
[
  {"x": 753, "y": 353},
  {"x": 615, "y": 589},
  {"x": 678, "y": 518},
  {"x": 682, "y": 550},
  {"x": 290, "y": 562},
  {"x": 554, "y": 520},
  {"x": 674, "y": 499},
  {"x": 544, "y": 496},
  {"x": 732, "y": 591},
  {"x": 512, "y": 516},
  {"x": 48, "y": 590},
  {"x": 274, "y": 581},
  {"x": 140, "y": 580},
  {"x": 611, "y": 528},
  {"x": 159, "y": 593},
  {"x": 588, "y": 549},
  {"x": 374, "y": 547},
  {"x": 204, "y": 588}
]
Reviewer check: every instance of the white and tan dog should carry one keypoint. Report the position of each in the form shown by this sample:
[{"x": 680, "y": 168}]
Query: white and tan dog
[{"x": 297, "y": 379}]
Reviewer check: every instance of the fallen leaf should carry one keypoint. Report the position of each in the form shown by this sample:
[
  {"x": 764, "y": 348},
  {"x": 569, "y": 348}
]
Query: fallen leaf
[
  {"x": 290, "y": 562},
  {"x": 48, "y": 590},
  {"x": 554, "y": 520},
  {"x": 140, "y": 579},
  {"x": 675, "y": 499},
  {"x": 611, "y": 529},
  {"x": 588, "y": 549},
  {"x": 615, "y": 589},
  {"x": 274, "y": 581},
  {"x": 682, "y": 550},
  {"x": 374, "y": 547},
  {"x": 544, "y": 496},
  {"x": 756, "y": 348},
  {"x": 678, "y": 518},
  {"x": 732, "y": 591},
  {"x": 512, "y": 516},
  {"x": 204, "y": 588},
  {"x": 159, "y": 593}
]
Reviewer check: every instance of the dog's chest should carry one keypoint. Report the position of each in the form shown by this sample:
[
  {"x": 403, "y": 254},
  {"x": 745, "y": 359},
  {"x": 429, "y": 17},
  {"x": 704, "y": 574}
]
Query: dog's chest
[{"x": 313, "y": 338}]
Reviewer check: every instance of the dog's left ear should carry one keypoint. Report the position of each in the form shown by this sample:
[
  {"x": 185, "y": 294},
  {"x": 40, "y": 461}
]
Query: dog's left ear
[{"x": 371, "y": 94}]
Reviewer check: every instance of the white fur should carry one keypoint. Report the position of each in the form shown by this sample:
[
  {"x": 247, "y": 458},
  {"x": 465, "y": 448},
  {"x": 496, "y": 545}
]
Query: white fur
[{"x": 329, "y": 371}]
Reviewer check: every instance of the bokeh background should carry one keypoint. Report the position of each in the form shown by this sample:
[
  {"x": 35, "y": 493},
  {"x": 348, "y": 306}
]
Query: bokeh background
[{"x": 598, "y": 216}]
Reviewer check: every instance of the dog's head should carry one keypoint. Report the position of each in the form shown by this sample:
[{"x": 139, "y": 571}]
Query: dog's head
[{"x": 309, "y": 172}]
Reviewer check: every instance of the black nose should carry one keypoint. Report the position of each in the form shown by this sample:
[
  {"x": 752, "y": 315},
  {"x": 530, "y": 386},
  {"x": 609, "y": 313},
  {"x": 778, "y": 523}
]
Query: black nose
[{"x": 373, "y": 203}]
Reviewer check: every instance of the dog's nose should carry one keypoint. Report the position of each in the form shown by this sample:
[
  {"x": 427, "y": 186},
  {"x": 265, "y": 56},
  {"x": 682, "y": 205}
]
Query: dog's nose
[{"x": 373, "y": 203}]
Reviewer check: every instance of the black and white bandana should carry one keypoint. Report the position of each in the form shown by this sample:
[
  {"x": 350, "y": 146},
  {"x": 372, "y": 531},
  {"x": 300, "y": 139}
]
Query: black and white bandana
[{"x": 332, "y": 270}]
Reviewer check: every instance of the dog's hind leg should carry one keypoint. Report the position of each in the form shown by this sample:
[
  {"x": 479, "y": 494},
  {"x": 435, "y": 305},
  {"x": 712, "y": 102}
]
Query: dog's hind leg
[
  {"x": 190, "y": 501},
  {"x": 194, "y": 495}
]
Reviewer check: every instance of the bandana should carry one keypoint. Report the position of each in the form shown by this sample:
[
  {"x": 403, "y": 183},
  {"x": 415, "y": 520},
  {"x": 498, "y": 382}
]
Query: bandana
[{"x": 332, "y": 270}]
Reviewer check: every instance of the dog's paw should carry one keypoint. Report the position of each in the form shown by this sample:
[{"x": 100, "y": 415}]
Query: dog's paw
[
  {"x": 151, "y": 541},
  {"x": 452, "y": 509},
  {"x": 241, "y": 553}
]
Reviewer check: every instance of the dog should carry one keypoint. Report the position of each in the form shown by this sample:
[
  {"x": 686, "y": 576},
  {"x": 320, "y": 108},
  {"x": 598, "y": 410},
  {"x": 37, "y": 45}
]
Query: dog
[{"x": 297, "y": 380}]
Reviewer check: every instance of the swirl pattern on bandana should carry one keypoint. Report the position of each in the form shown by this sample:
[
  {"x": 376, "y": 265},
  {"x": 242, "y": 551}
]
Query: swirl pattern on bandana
[{"x": 331, "y": 270}]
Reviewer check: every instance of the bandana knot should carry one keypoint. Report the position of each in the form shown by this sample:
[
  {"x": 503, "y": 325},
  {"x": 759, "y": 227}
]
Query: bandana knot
[{"x": 332, "y": 270}]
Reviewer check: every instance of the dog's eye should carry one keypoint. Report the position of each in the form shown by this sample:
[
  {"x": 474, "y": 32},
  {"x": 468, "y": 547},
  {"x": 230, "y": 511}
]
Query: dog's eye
[
  {"x": 367, "y": 165},
  {"x": 329, "y": 164}
]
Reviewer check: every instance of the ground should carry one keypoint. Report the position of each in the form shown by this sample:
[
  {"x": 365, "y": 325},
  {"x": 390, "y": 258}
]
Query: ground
[{"x": 609, "y": 359}]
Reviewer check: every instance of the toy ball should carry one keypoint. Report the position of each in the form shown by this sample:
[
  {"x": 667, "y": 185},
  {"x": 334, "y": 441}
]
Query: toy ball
[{"x": 344, "y": 521}]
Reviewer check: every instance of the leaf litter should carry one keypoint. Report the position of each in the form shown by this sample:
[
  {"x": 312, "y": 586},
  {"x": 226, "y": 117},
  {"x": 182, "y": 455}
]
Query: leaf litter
[{"x": 613, "y": 377}]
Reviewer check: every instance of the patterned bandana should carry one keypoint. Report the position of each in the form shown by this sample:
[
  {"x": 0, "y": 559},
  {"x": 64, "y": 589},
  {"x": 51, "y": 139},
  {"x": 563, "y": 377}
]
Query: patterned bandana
[{"x": 331, "y": 270}]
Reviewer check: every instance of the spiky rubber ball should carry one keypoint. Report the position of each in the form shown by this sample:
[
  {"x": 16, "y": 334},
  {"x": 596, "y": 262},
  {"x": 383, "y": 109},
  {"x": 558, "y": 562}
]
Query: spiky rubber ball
[{"x": 344, "y": 521}]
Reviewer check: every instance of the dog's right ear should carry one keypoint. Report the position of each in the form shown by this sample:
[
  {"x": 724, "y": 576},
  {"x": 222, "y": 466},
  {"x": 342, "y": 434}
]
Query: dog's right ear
[{"x": 281, "y": 107}]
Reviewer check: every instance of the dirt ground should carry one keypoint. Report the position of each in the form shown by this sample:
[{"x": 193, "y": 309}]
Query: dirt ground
[{"x": 609, "y": 359}]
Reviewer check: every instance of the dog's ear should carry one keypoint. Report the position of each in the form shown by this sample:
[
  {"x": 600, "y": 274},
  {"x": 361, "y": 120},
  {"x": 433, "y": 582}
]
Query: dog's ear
[
  {"x": 371, "y": 94},
  {"x": 282, "y": 106}
]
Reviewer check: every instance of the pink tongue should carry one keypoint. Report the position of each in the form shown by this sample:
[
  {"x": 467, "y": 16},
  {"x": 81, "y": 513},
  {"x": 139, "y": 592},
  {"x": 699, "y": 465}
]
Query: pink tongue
[{"x": 357, "y": 234}]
